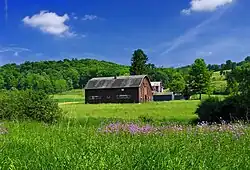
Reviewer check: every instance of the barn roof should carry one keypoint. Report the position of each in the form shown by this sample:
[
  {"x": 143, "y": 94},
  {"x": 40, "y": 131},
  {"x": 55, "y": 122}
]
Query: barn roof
[{"x": 115, "y": 82}]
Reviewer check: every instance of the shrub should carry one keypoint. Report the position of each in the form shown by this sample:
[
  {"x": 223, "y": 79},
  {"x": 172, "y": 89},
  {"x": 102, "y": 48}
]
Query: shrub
[
  {"x": 209, "y": 109},
  {"x": 28, "y": 104},
  {"x": 230, "y": 109}
]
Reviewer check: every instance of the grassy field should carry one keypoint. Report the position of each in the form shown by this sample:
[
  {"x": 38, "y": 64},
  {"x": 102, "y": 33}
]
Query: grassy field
[
  {"x": 171, "y": 111},
  {"x": 124, "y": 136},
  {"x": 70, "y": 96},
  {"x": 62, "y": 146}
]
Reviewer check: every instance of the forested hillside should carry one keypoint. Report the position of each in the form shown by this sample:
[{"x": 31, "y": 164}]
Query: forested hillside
[{"x": 58, "y": 76}]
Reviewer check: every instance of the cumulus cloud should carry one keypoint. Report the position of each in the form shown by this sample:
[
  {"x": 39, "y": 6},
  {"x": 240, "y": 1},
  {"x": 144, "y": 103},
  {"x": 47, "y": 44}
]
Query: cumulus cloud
[
  {"x": 89, "y": 17},
  {"x": 51, "y": 23},
  {"x": 205, "y": 5}
]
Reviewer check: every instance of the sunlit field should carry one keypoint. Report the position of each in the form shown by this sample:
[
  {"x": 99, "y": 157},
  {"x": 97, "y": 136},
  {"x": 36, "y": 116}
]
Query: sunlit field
[{"x": 156, "y": 135}]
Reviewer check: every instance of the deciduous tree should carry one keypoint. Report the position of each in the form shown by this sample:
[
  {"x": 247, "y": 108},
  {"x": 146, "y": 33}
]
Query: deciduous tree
[
  {"x": 138, "y": 63},
  {"x": 199, "y": 77}
]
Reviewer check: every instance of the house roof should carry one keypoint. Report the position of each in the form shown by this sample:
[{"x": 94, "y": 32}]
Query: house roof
[{"x": 112, "y": 82}]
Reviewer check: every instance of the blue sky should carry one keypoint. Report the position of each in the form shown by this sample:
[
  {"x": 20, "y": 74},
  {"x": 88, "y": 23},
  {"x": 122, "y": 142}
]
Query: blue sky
[{"x": 171, "y": 32}]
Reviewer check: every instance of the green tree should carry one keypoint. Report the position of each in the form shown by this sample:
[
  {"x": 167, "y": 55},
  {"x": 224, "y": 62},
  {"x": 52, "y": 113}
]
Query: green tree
[
  {"x": 247, "y": 59},
  {"x": 177, "y": 84},
  {"x": 1, "y": 82},
  {"x": 138, "y": 63},
  {"x": 229, "y": 65},
  {"x": 60, "y": 85},
  {"x": 242, "y": 76},
  {"x": 199, "y": 77},
  {"x": 232, "y": 84}
]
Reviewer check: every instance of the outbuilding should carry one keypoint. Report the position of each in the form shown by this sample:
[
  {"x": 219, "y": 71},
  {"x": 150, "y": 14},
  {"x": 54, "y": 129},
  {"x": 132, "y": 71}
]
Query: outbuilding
[{"x": 122, "y": 89}]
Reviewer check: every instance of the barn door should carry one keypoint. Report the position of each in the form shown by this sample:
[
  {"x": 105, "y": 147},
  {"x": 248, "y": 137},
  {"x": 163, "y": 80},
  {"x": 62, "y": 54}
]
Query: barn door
[{"x": 145, "y": 93}]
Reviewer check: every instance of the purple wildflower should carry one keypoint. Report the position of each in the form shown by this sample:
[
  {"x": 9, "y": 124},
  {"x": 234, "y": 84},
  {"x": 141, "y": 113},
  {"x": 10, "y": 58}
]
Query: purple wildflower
[{"x": 132, "y": 128}]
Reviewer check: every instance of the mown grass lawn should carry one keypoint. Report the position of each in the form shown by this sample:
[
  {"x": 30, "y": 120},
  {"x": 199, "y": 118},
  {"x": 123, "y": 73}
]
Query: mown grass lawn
[
  {"x": 169, "y": 111},
  {"x": 70, "y": 96}
]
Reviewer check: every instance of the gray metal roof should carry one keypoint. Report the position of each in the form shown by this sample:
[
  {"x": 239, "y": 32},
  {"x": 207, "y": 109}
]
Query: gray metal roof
[{"x": 112, "y": 82}]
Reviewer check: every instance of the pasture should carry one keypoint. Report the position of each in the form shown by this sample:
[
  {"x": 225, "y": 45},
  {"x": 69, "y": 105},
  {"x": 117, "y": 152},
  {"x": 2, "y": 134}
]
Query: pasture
[{"x": 124, "y": 136}]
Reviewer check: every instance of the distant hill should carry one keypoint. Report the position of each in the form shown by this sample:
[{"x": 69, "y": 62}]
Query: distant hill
[
  {"x": 57, "y": 76},
  {"x": 67, "y": 74}
]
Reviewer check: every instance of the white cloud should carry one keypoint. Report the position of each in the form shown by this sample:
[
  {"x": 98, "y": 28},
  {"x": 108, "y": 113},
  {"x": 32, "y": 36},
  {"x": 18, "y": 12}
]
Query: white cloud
[
  {"x": 51, "y": 23},
  {"x": 205, "y": 5},
  {"x": 192, "y": 34},
  {"x": 13, "y": 49},
  {"x": 89, "y": 17}
]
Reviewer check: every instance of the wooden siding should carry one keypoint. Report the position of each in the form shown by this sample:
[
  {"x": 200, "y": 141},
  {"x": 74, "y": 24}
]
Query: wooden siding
[
  {"x": 145, "y": 91},
  {"x": 122, "y": 95}
]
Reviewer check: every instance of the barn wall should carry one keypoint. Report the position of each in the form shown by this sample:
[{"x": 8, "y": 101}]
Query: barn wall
[
  {"x": 145, "y": 91},
  {"x": 126, "y": 95}
]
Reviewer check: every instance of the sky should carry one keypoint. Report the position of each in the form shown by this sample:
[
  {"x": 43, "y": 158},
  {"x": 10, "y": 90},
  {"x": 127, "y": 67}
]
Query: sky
[{"x": 171, "y": 32}]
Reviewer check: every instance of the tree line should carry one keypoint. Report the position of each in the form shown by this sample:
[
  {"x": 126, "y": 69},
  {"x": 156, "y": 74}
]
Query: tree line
[
  {"x": 58, "y": 76},
  {"x": 188, "y": 80}
]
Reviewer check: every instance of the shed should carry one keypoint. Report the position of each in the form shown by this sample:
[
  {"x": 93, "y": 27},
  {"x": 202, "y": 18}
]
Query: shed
[
  {"x": 164, "y": 97},
  {"x": 122, "y": 89}
]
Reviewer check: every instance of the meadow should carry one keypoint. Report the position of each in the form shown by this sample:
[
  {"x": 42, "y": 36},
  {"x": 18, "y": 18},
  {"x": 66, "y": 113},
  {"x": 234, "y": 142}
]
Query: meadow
[{"x": 124, "y": 136}]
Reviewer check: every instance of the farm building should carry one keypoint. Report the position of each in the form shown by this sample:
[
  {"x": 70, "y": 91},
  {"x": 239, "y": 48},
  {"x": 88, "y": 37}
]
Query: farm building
[
  {"x": 123, "y": 89},
  {"x": 157, "y": 87}
]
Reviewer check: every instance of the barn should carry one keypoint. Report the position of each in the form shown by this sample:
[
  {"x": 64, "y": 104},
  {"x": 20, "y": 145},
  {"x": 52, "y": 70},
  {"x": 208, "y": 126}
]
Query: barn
[{"x": 123, "y": 89}]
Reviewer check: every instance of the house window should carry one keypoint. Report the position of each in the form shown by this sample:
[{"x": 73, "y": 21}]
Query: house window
[
  {"x": 123, "y": 96},
  {"x": 95, "y": 97}
]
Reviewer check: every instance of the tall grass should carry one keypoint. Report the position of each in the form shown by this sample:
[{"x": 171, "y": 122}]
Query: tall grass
[{"x": 31, "y": 145}]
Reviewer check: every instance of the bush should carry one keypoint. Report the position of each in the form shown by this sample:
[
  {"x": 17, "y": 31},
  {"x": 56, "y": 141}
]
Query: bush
[
  {"x": 230, "y": 109},
  {"x": 28, "y": 104}
]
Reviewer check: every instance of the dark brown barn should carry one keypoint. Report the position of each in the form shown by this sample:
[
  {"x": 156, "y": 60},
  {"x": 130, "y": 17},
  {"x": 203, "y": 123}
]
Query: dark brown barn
[{"x": 124, "y": 89}]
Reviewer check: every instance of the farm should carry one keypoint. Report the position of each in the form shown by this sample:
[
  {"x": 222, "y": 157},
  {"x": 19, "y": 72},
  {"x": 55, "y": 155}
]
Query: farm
[
  {"x": 124, "y": 136},
  {"x": 46, "y": 122}
]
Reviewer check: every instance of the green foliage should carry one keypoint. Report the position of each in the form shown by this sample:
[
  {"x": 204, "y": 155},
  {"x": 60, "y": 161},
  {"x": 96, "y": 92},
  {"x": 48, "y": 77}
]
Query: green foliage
[
  {"x": 74, "y": 73},
  {"x": 1, "y": 82},
  {"x": 230, "y": 109},
  {"x": 209, "y": 110},
  {"x": 28, "y": 104},
  {"x": 234, "y": 107},
  {"x": 138, "y": 63},
  {"x": 239, "y": 80},
  {"x": 177, "y": 84},
  {"x": 199, "y": 77},
  {"x": 56, "y": 76}
]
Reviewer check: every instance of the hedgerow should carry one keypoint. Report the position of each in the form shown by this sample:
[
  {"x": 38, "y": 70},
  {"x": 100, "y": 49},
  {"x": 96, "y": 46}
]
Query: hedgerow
[{"x": 28, "y": 105}]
